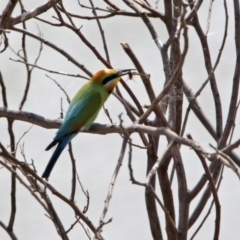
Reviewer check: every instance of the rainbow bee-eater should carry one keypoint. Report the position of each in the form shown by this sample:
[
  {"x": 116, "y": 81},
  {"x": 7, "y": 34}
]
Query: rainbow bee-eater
[{"x": 83, "y": 110}]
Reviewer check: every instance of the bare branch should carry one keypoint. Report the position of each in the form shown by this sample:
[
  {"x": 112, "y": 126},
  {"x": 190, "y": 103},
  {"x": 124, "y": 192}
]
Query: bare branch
[
  {"x": 112, "y": 183},
  {"x": 10, "y": 233},
  {"x": 61, "y": 51},
  {"x": 30, "y": 14},
  {"x": 29, "y": 172}
]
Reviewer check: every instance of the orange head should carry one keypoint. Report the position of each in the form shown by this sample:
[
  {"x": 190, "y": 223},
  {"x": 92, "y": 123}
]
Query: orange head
[{"x": 109, "y": 77}]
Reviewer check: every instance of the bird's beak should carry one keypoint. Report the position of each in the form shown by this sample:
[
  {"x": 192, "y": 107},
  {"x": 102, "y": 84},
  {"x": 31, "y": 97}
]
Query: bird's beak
[{"x": 124, "y": 72}]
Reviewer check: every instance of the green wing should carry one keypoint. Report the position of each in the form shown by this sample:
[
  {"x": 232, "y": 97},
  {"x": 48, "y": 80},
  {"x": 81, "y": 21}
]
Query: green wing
[{"x": 81, "y": 113}]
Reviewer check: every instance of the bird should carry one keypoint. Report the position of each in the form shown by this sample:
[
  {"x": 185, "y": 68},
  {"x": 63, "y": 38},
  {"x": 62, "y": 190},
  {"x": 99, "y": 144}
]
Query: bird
[{"x": 83, "y": 110}]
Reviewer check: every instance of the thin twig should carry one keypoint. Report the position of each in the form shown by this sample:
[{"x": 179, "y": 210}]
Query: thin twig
[
  {"x": 51, "y": 71},
  {"x": 53, "y": 46},
  {"x": 112, "y": 183},
  {"x": 62, "y": 89},
  {"x": 164, "y": 209},
  {"x": 101, "y": 31},
  {"x": 132, "y": 179},
  {"x": 210, "y": 208},
  {"x": 73, "y": 191}
]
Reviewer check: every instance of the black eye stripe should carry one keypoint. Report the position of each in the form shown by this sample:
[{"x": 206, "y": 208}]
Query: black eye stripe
[{"x": 109, "y": 78}]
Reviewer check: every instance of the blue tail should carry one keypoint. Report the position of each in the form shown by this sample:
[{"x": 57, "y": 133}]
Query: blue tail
[{"x": 61, "y": 145}]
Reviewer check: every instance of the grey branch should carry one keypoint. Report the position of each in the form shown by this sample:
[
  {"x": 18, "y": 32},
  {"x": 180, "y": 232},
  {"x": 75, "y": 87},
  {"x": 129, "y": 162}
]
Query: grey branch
[{"x": 103, "y": 129}]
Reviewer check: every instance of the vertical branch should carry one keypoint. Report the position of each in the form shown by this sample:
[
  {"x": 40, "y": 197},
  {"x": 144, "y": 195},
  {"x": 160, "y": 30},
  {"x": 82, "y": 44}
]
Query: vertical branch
[
  {"x": 12, "y": 147},
  {"x": 74, "y": 172},
  {"x": 160, "y": 46},
  {"x": 230, "y": 120},
  {"x": 112, "y": 183},
  {"x": 13, "y": 178},
  {"x": 182, "y": 194},
  {"x": 235, "y": 86},
  {"x": 4, "y": 94},
  {"x": 101, "y": 31},
  {"x": 208, "y": 65},
  {"x": 168, "y": 14},
  {"x": 163, "y": 49},
  {"x": 210, "y": 208},
  {"x": 146, "y": 80},
  {"x": 167, "y": 195},
  {"x": 204, "y": 198},
  {"x": 149, "y": 196},
  {"x": 214, "y": 192},
  {"x": 171, "y": 80},
  {"x": 161, "y": 168},
  {"x": 25, "y": 58},
  {"x": 176, "y": 101}
]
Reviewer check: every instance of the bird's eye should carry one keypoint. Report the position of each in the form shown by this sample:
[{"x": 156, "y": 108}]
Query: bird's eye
[{"x": 109, "y": 78}]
